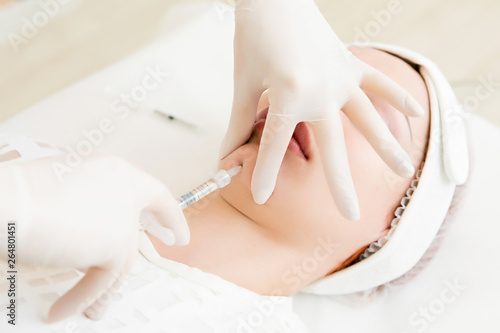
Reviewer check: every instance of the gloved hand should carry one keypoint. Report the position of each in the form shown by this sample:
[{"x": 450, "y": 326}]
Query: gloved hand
[
  {"x": 90, "y": 219},
  {"x": 287, "y": 47}
]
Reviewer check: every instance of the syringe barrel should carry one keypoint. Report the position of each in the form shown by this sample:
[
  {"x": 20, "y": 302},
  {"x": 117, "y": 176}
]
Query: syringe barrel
[{"x": 197, "y": 193}]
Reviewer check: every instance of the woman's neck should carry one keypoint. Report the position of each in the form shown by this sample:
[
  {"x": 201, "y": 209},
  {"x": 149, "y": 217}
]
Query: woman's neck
[{"x": 227, "y": 243}]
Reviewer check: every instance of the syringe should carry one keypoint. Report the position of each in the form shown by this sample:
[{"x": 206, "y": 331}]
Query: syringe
[{"x": 220, "y": 179}]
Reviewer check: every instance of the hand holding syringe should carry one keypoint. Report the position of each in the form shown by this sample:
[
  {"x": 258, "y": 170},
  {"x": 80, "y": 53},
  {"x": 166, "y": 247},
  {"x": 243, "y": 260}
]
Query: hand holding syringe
[{"x": 220, "y": 179}]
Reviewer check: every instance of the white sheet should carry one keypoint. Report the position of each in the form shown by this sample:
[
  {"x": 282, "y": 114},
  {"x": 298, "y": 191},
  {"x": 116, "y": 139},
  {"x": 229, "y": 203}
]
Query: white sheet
[
  {"x": 158, "y": 295},
  {"x": 199, "y": 56}
]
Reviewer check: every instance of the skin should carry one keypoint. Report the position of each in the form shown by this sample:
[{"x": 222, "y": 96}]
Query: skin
[{"x": 299, "y": 235}]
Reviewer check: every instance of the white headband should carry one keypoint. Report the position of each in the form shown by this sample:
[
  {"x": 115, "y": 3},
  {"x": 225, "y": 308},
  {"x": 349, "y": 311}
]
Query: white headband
[{"x": 446, "y": 166}]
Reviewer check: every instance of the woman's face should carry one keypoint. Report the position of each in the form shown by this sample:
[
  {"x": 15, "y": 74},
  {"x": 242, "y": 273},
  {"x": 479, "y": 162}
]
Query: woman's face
[{"x": 301, "y": 205}]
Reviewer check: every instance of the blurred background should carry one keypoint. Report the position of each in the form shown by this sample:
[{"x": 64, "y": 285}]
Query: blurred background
[{"x": 76, "y": 38}]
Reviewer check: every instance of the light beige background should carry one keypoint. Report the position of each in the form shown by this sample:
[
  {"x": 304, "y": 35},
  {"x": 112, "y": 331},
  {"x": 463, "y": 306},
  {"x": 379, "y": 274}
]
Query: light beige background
[{"x": 460, "y": 35}]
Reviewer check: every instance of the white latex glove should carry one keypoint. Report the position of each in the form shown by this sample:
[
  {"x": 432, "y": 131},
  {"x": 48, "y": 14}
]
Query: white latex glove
[
  {"x": 90, "y": 219},
  {"x": 287, "y": 47}
]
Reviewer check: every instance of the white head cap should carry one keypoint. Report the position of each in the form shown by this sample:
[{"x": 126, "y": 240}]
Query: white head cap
[{"x": 446, "y": 166}]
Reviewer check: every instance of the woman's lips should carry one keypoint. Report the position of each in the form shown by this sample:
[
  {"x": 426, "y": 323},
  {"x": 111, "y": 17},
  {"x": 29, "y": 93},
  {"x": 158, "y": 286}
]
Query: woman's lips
[{"x": 300, "y": 141}]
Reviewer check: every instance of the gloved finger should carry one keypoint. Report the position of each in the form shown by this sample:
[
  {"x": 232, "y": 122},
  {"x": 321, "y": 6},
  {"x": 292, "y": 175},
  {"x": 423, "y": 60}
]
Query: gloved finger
[
  {"x": 169, "y": 215},
  {"x": 154, "y": 196},
  {"x": 365, "y": 117},
  {"x": 278, "y": 131},
  {"x": 245, "y": 102},
  {"x": 163, "y": 234},
  {"x": 95, "y": 281},
  {"x": 379, "y": 84},
  {"x": 97, "y": 309},
  {"x": 329, "y": 135}
]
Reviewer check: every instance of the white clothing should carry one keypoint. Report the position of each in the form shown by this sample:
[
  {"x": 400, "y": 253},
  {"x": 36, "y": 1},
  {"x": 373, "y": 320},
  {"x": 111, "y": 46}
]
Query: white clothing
[{"x": 158, "y": 295}]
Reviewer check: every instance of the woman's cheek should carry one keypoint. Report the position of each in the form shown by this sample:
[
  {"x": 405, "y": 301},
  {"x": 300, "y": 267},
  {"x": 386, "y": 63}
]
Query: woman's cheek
[
  {"x": 244, "y": 156},
  {"x": 238, "y": 192}
]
